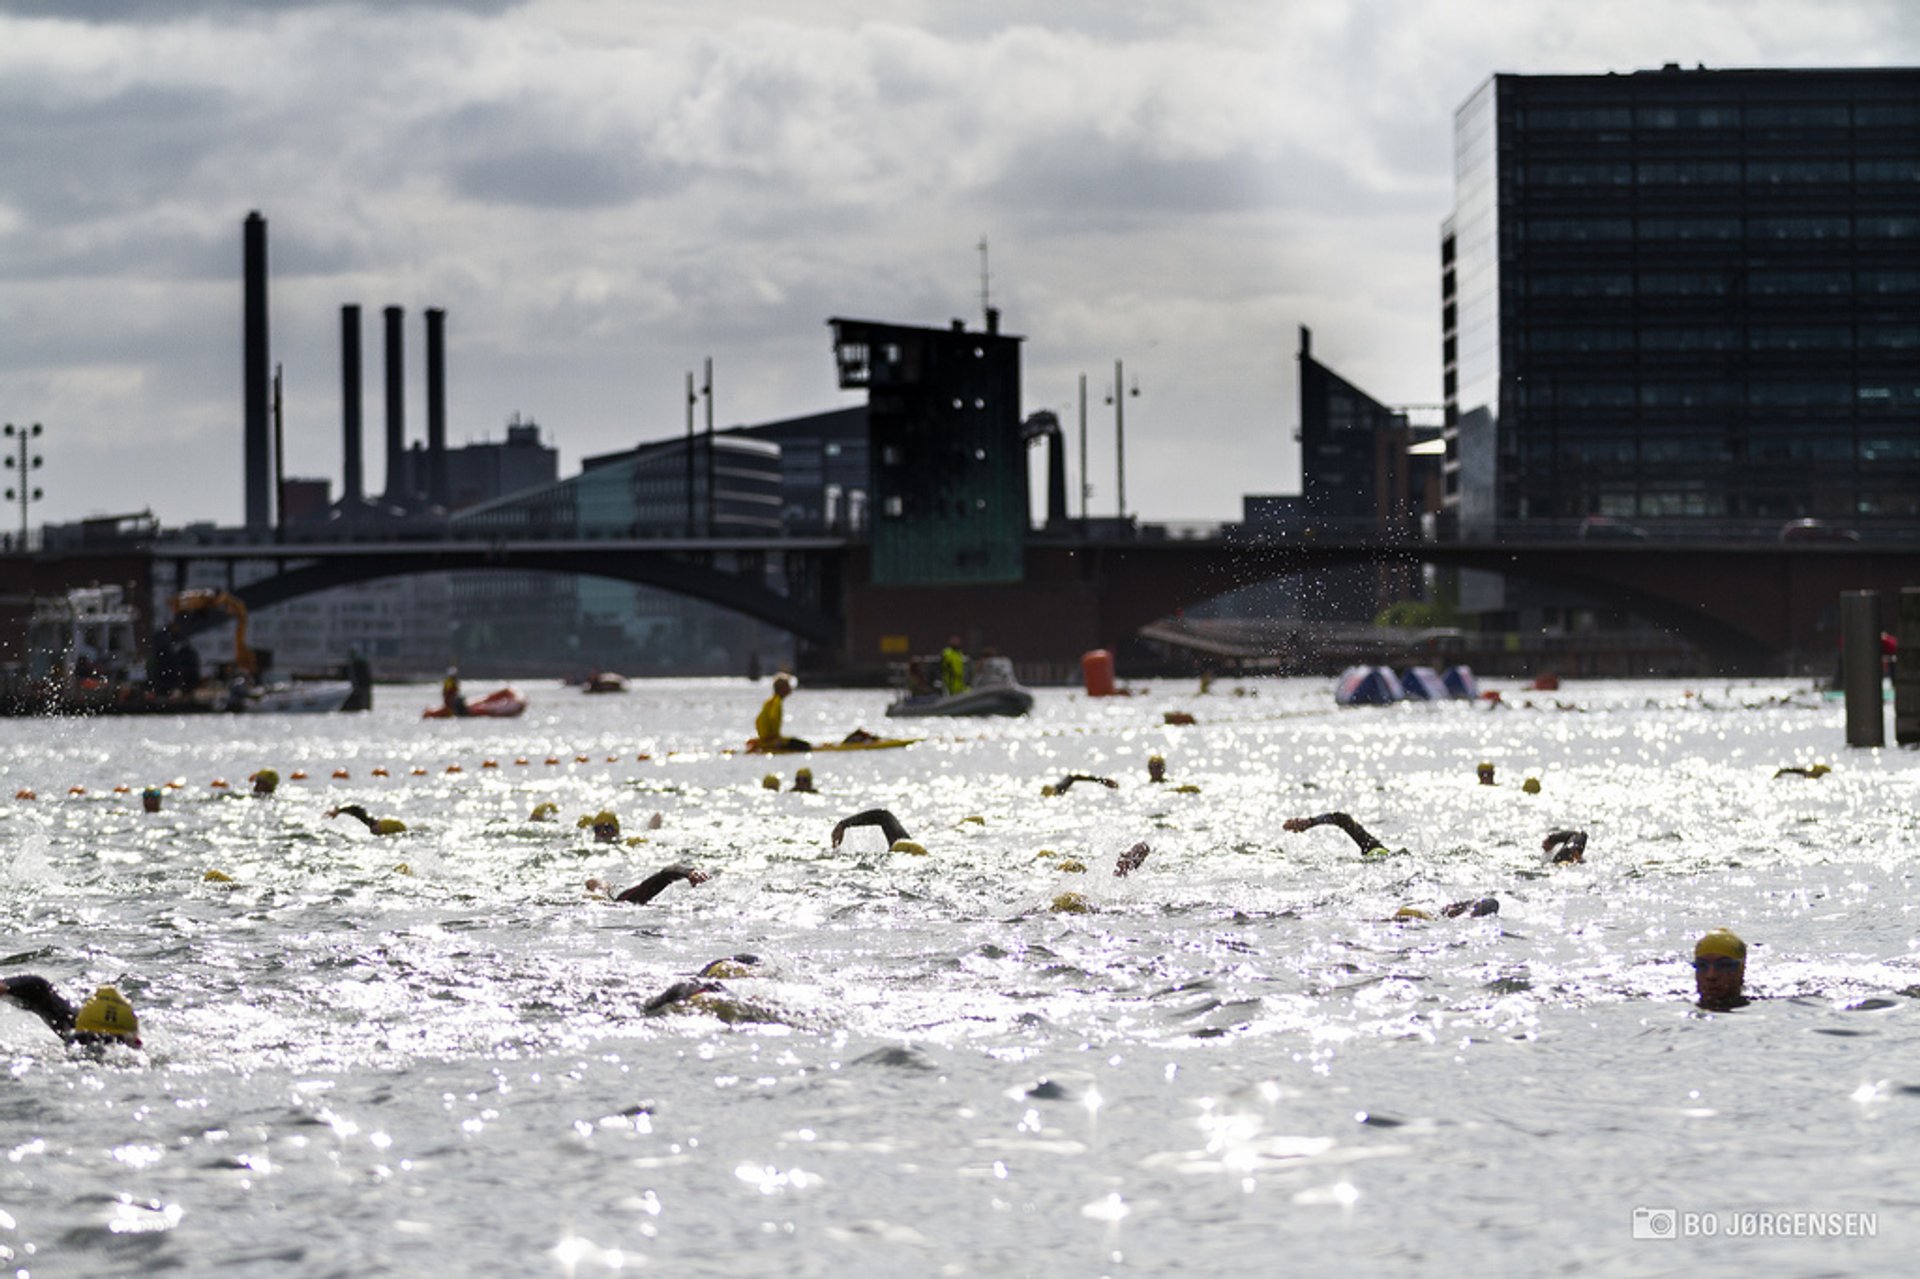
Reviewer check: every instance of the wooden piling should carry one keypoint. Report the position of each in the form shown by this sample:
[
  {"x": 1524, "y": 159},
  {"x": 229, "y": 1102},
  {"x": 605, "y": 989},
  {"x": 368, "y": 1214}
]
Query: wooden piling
[{"x": 1860, "y": 668}]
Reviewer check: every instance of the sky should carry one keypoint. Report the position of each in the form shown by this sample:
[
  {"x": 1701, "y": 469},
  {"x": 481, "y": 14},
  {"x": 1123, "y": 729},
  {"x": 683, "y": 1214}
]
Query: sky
[{"x": 603, "y": 194}]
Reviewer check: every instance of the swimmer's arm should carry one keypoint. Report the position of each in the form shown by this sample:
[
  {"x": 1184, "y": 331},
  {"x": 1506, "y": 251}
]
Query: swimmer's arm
[
  {"x": 37, "y": 996},
  {"x": 653, "y": 885},
  {"x": 1131, "y": 859},
  {"x": 889, "y": 825},
  {"x": 1575, "y": 842},
  {"x": 1355, "y": 831}
]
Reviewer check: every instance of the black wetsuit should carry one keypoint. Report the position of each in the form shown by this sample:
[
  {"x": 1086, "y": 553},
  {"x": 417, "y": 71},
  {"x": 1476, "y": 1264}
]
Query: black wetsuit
[
  {"x": 1060, "y": 787},
  {"x": 1566, "y": 845},
  {"x": 655, "y": 884},
  {"x": 889, "y": 825},
  {"x": 1355, "y": 830}
]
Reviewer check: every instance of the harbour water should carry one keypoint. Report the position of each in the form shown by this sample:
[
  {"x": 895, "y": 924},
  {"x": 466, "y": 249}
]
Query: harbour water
[{"x": 425, "y": 1054}]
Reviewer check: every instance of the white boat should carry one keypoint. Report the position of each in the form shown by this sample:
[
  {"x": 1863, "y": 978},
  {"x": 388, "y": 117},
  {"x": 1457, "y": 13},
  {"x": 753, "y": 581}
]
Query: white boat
[{"x": 995, "y": 691}]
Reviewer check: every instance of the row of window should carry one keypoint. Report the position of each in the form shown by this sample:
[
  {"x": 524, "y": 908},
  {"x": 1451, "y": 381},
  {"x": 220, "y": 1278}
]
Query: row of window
[
  {"x": 1690, "y": 230},
  {"x": 1767, "y": 173},
  {"x": 1621, "y": 284},
  {"x": 1561, "y": 393},
  {"x": 1806, "y": 115},
  {"x": 1799, "y": 337}
]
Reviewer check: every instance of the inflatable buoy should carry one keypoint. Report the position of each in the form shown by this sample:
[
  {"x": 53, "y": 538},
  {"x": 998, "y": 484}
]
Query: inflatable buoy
[
  {"x": 218, "y": 783},
  {"x": 489, "y": 763},
  {"x": 76, "y": 790},
  {"x": 417, "y": 771},
  {"x": 454, "y": 768},
  {"x": 520, "y": 759},
  {"x": 24, "y": 793},
  {"x": 381, "y": 772},
  {"x": 553, "y": 759},
  {"x": 341, "y": 774},
  {"x": 123, "y": 789},
  {"x": 298, "y": 775}
]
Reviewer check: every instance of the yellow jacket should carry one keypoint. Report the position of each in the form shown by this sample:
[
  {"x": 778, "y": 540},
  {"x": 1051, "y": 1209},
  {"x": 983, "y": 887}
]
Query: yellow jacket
[{"x": 766, "y": 725}]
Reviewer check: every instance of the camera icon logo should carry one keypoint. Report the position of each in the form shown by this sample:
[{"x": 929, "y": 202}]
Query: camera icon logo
[{"x": 1655, "y": 1223}]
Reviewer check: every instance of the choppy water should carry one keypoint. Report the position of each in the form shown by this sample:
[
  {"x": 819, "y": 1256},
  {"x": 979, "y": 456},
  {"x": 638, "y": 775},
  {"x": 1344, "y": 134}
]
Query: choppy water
[{"x": 1235, "y": 1063}]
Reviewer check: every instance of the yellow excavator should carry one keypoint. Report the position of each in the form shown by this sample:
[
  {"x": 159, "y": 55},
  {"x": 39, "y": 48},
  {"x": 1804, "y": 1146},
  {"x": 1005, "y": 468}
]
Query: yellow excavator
[{"x": 204, "y": 601}]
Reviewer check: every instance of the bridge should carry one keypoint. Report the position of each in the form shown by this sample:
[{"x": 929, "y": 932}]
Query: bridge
[{"x": 1750, "y": 603}]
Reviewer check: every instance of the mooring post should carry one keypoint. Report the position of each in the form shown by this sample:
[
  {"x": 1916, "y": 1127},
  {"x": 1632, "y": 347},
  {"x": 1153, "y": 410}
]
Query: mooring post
[
  {"x": 1860, "y": 668},
  {"x": 1906, "y": 669}
]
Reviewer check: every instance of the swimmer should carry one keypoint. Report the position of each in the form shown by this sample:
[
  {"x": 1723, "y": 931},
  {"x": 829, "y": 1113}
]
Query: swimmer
[
  {"x": 653, "y": 885},
  {"x": 606, "y": 826},
  {"x": 1719, "y": 971},
  {"x": 706, "y": 993},
  {"x": 803, "y": 781},
  {"x": 1485, "y": 772},
  {"x": 889, "y": 826},
  {"x": 1472, "y": 906},
  {"x": 150, "y": 799},
  {"x": 1369, "y": 846},
  {"x": 1131, "y": 859},
  {"x": 105, "y": 1019},
  {"x": 378, "y": 825},
  {"x": 1156, "y": 768},
  {"x": 265, "y": 782},
  {"x": 1571, "y": 846},
  {"x": 1060, "y": 787},
  {"x": 1812, "y": 770}
]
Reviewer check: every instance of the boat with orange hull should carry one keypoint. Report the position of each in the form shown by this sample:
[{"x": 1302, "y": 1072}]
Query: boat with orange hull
[{"x": 503, "y": 703}]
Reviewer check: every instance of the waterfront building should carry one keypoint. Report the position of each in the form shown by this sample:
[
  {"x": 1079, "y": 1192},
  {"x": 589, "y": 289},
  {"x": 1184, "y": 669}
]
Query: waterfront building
[{"x": 1682, "y": 301}]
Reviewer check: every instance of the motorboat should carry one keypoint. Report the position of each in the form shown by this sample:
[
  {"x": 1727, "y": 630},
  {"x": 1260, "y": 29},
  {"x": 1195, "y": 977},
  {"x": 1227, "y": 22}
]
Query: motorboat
[
  {"x": 604, "y": 682},
  {"x": 502, "y": 703},
  {"x": 995, "y": 691},
  {"x": 318, "y": 697}
]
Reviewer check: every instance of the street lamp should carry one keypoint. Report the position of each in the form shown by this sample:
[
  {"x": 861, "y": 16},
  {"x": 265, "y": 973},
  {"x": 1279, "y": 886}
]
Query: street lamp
[{"x": 26, "y": 462}]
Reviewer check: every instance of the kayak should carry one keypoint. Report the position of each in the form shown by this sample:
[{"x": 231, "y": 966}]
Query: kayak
[
  {"x": 503, "y": 703},
  {"x": 877, "y": 744}
]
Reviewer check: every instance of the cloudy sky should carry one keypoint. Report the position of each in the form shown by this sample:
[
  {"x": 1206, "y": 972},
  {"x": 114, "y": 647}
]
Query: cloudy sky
[{"x": 602, "y": 193}]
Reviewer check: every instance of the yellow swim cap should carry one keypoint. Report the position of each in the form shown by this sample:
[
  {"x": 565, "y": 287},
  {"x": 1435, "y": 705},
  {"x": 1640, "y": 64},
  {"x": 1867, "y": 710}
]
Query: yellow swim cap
[
  {"x": 1531, "y": 786},
  {"x": 1071, "y": 903},
  {"x": 730, "y": 966},
  {"x": 107, "y": 1013},
  {"x": 1721, "y": 942},
  {"x": 544, "y": 811},
  {"x": 770, "y": 782},
  {"x": 1073, "y": 867},
  {"x": 1411, "y": 912},
  {"x": 908, "y": 846},
  {"x": 217, "y": 877}
]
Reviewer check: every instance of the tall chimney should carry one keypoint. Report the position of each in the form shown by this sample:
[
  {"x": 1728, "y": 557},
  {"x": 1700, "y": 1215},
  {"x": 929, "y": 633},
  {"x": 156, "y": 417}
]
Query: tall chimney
[
  {"x": 253, "y": 376},
  {"x": 399, "y": 489},
  {"x": 436, "y": 407},
  {"x": 351, "y": 494}
]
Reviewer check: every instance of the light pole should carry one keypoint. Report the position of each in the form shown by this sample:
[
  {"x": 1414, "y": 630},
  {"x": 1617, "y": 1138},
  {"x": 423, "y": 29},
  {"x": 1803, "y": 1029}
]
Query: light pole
[
  {"x": 26, "y": 492},
  {"x": 1117, "y": 398}
]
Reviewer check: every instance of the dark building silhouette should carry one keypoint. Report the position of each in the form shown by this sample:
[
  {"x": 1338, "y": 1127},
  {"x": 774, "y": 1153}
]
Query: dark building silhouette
[
  {"x": 1358, "y": 477},
  {"x": 949, "y": 466},
  {"x": 1685, "y": 296}
]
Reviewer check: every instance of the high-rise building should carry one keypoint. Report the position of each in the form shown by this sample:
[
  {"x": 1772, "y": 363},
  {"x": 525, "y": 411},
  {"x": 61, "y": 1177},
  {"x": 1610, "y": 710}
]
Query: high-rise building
[{"x": 1681, "y": 297}]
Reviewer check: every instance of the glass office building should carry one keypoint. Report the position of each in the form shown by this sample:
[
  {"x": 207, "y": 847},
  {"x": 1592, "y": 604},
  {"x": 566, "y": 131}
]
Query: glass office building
[{"x": 1685, "y": 296}]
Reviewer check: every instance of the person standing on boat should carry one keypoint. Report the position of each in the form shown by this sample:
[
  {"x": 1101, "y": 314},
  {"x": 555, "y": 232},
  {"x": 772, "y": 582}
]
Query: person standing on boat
[
  {"x": 767, "y": 734},
  {"x": 450, "y": 693},
  {"x": 953, "y": 668}
]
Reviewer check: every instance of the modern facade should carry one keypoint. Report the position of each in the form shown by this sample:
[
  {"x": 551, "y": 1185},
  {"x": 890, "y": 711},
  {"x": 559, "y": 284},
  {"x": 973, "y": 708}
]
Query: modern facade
[{"x": 1685, "y": 298}]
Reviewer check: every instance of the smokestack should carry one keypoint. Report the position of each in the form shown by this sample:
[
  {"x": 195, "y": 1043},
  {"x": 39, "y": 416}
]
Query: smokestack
[
  {"x": 399, "y": 491},
  {"x": 437, "y": 407},
  {"x": 351, "y": 492},
  {"x": 253, "y": 375}
]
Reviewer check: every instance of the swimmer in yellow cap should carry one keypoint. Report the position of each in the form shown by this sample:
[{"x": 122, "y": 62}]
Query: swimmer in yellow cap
[
  {"x": 1720, "y": 971},
  {"x": 265, "y": 782},
  {"x": 1369, "y": 846},
  {"x": 889, "y": 826},
  {"x": 706, "y": 993},
  {"x": 104, "y": 1019},
  {"x": 653, "y": 885},
  {"x": 378, "y": 825},
  {"x": 1156, "y": 768}
]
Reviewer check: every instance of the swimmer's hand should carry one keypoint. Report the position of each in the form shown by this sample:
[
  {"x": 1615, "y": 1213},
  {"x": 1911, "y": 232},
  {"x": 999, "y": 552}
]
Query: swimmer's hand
[
  {"x": 1131, "y": 859},
  {"x": 1297, "y": 823}
]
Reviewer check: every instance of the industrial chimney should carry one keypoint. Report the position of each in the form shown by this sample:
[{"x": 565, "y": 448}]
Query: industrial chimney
[
  {"x": 399, "y": 491},
  {"x": 255, "y": 383},
  {"x": 352, "y": 494},
  {"x": 436, "y": 407}
]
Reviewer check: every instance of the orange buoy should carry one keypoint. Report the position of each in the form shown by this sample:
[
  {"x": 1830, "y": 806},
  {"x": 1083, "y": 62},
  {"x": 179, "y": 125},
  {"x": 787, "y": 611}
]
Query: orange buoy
[
  {"x": 298, "y": 775},
  {"x": 520, "y": 759},
  {"x": 218, "y": 783},
  {"x": 1096, "y": 670},
  {"x": 341, "y": 773},
  {"x": 489, "y": 763},
  {"x": 24, "y": 793},
  {"x": 122, "y": 789},
  {"x": 553, "y": 759},
  {"x": 453, "y": 768},
  {"x": 76, "y": 790},
  {"x": 579, "y": 759},
  {"x": 418, "y": 771}
]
